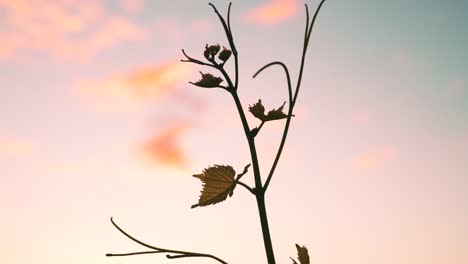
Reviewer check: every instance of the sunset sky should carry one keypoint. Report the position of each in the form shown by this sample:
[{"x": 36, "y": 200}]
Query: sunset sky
[{"x": 97, "y": 119}]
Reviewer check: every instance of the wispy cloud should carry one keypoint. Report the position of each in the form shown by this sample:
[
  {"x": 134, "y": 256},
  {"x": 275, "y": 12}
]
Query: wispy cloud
[
  {"x": 71, "y": 30},
  {"x": 374, "y": 159},
  {"x": 129, "y": 90},
  {"x": 165, "y": 147},
  {"x": 273, "y": 12}
]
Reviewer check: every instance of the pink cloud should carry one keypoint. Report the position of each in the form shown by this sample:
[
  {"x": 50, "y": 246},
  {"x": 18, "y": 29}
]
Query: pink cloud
[
  {"x": 63, "y": 29},
  {"x": 129, "y": 90},
  {"x": 374, "y": 159},
  {"x": 273, "y": 12},
  {"x": 165, "y": 148}
]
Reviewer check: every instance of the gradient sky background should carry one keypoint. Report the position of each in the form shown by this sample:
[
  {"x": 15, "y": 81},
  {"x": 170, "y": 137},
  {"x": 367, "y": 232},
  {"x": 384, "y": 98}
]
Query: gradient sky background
[{"x": 98, "y": 120}]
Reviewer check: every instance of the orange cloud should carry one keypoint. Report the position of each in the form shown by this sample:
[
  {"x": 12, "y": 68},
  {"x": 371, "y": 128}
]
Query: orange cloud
[
  {"x": 135, "y": 88},
  {"x": 374, "y": 159},
  {"x": 273, "y": 12},
  {"x": 61, "y": 28},
  {"x": 15, "y": 147},
  {"x": 165, "y": 149}
]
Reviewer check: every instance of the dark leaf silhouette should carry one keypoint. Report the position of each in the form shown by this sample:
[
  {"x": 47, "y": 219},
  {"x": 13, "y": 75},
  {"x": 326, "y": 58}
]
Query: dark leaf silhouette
[
  {"x": 208, "y": 81},
  {"x": 225, "y": 54},
  {"x": 302, "y": 255},
  {"x": 211, "y": 51},
  {"x": 258, "y": 110},
  {"x": 218, "y": 183}
]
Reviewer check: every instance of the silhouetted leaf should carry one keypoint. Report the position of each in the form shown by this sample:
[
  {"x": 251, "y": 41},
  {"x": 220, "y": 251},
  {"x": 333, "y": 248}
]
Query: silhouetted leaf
[
  {"x": 276, "y": 114},
  {"x": 225, "y": 54},
  {"x": 218, "y": 183},
  {"x": 302, "y": 255},
  {"x": 208, "y": 81},
  {"x": 258, "y": 110},
  {"x": 211, "y": 51}
]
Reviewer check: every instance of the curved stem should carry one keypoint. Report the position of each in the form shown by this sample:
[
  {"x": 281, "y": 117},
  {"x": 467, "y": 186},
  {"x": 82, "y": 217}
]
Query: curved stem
[
  {"x": 298, "y": 85},
  {"x": 192, "y": 60},
  {"x": 247, "y": 187},
  {"x": 287, "y": 76},
  {"x": 160, "y": 250},
  {"x": 228, "y": 32},
  {"x": 132, "y": 253}
]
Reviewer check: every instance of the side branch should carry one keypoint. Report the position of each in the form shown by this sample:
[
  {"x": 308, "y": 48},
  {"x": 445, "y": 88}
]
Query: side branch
[
  {"x": 155, "y": 250},
  {"x": 227, "y": 30},
  {"x": 287, "y": 76},
  {"x": 308, "y": 32},
  {"x": 192, "y": 60}
]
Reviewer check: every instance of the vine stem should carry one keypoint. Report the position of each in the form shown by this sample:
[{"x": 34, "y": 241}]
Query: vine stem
[
  {"x": 156, "y": 250},
  {"x": 259, "y": 191},
  {"x": 308, "y": 33}
]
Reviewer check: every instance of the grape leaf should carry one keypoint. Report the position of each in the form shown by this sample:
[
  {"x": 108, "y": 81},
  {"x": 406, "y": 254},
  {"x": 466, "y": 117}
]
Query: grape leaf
[
  {"x": 302, "y": 255},
  {"x": 276, "y": 114},
  {"x": 258, "y": 110},
  {"x": 218, "y": 183},
  {"x": 208, "y": 81}
]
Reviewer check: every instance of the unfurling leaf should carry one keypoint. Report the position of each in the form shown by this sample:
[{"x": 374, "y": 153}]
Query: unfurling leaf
[
  {"x": 258, "y": 110},
  {"x": 208, "y": 81},
  {"x": 276, "y": 114},
  {"x": 218, "y": 182},
  {"x": 225, "y": 54},
  {"x": 211, "y": 51},
  {"x": 302, "y": 255}
]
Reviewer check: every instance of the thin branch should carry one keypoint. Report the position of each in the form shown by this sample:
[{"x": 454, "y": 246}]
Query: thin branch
[
  {"x": 287, "y": 76},
  {"x": 132, "y": 254},
  {"x": 257, "y": 129},
  {"x": 227, "y": 30},
  {"x": 192, "y": 60},
  {"x": 306, "y": 44},
  {"x": 229, "y": 17},
  {"x": 246, "y": 169},
  {"x": 156, "y": 250},
  {"x": 250, "y": 189},
  {"x": 298, "y": 85},
  {"x": 307, "y": 22}
]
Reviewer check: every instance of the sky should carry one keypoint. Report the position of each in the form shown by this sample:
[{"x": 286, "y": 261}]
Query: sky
[{"x": 98, "y": 120}]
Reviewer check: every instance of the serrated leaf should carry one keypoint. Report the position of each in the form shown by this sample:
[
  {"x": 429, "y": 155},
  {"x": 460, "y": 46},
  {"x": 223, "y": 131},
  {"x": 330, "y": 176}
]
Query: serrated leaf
[
  {"x": 276, "y": 114},
  {"x": 218, "y": 183},
  {"x": 208, "y": 81},
  {"x": 258, "y": 110},
  {"x": 302, "y": 255}
]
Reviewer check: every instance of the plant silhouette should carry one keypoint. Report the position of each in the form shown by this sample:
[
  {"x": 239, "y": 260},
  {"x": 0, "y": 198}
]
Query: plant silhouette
[{"x": 219, "y": 181}]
